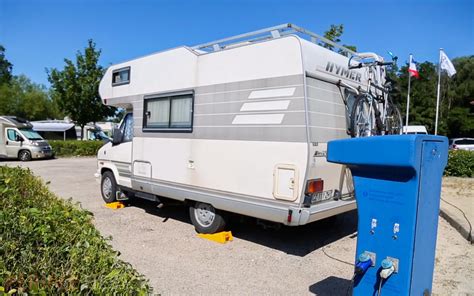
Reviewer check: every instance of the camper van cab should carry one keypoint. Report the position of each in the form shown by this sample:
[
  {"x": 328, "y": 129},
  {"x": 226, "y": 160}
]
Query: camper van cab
[
  {"x": 237, "y": 125},
  {"x": 19, "y": 140}
]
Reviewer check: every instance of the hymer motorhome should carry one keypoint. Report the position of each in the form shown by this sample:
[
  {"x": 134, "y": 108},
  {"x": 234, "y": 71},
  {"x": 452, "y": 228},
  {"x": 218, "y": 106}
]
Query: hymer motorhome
[
  {"x": 19, "y": 140},
  {"x": 236, "y": 125}
]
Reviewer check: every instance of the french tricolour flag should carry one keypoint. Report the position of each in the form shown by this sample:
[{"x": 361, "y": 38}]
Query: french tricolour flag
[{"x": 412, "y": 68}]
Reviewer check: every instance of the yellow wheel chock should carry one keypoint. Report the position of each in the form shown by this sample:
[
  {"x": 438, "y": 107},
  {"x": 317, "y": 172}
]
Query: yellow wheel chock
[
  {"x": 220, "y": 237},
  {"x": 115, "y": 205}
]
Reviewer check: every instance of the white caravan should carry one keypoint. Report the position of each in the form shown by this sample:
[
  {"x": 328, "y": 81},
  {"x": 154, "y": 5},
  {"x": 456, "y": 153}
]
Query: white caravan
[{"x": 237, "y": 125}]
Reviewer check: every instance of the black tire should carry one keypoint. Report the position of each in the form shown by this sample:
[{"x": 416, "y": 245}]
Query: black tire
[
  {"x": 24, "y": 155},
  {"x": 213, "y": 224},
  {"x": 361, "y": 106},
  {"x": 393, "y": 120},
  {"x": 109, "y": 194}
]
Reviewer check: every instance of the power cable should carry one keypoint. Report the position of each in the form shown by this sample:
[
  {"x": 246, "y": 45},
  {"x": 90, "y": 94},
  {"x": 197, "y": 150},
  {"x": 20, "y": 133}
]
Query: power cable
[{"x": 469, "y": 237}]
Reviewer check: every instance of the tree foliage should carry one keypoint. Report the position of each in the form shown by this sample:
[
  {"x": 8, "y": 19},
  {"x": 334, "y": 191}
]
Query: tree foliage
[
  {"x": 23, "y": 98},
  {"x": 76, "y": 87},
  {"x": 334, "y": 34},
  {"x": 456, "y": 117},
  {"x": 19, "y": 96},
  {"x": 5, "y": 67}
]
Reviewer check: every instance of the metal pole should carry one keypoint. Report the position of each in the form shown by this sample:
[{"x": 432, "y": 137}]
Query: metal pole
[
  {"x": 439, "y": 88},
  {"x": 408, "y": 95}
]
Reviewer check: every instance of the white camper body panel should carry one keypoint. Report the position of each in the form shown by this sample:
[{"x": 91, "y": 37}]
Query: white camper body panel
[
  {"x": 210, "y": 163},
  {"x": 260, "y": 128}
]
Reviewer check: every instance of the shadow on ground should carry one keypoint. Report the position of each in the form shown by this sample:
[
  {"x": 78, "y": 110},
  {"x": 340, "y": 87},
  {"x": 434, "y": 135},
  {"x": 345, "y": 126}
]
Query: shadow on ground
[
  {"x": 331, "y": 286},
  {"x": 299, "y": 241}
]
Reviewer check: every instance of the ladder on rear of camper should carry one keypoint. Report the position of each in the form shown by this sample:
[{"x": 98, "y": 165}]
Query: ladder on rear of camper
[{"x": 266, "y": 34}]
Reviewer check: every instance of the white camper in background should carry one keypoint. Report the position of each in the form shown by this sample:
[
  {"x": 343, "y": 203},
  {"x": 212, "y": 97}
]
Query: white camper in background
[
  {"x": 237, "y": 125},
  {"x": 19, "y": 140}
]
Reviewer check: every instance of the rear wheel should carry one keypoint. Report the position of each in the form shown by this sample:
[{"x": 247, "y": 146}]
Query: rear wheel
[
  {"x": 363, "y": 118},
  {"x": 24, "y": 155},
  {"x": 393, "y": 120},
  {"x": 205, "y": 218},
  {"x": 108, "y": 187}
]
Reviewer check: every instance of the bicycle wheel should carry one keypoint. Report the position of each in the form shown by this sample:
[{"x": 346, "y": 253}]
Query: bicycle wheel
[
  {"x": 362, "y": 118},
  {"x": 393, "y": 120}
]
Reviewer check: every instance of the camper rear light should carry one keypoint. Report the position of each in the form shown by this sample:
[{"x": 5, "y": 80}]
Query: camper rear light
[{"x": 314, "y": 186}]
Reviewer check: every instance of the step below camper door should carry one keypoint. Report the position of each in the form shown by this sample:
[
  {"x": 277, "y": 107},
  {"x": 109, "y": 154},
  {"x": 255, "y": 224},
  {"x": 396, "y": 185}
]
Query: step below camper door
[{"x": 285, "y": 182}]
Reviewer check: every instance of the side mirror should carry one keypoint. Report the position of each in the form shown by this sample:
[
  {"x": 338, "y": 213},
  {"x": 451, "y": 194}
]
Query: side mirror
[
  {"x": 19, "y": 138},
  {"x": 117, "y": 136}
]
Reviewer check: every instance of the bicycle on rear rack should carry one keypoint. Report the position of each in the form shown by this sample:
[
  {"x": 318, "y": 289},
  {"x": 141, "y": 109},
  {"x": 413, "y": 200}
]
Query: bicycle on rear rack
[{"x": 373, "y": 112}]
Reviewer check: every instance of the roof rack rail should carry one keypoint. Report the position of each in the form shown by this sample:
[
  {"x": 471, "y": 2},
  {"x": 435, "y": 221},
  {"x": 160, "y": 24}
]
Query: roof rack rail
[{"x": 268, "y": 33}]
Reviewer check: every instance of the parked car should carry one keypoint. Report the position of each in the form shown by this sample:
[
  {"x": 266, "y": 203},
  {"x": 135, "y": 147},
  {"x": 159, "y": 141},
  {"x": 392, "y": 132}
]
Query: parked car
[{"x": 462, "y": 144}]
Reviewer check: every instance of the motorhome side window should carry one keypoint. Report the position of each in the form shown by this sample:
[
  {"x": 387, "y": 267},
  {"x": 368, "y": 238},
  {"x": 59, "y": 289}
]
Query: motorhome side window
[
  {"x": 169, "y": 113},
  {"x": 121, "y": 76}
]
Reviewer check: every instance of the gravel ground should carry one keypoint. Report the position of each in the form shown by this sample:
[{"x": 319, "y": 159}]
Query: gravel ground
[{"x": 162, "y": 244}]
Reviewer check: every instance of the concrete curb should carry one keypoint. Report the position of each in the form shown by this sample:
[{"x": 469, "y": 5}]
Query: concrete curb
[{"x": 456, "y": 220}]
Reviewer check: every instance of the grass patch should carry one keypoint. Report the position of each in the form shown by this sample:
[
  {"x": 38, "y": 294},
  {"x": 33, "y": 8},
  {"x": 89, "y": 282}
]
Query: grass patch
[
  {"x": 49, "y": 246},
  {"x": 75, "y": 147}
]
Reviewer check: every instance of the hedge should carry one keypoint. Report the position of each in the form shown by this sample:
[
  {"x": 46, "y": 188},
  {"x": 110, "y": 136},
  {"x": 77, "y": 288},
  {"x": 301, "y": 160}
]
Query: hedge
[
  {"x": 460, "y": 164},
  {"x": 49, "y": 246},
  {"x": 75, "y": 147}
]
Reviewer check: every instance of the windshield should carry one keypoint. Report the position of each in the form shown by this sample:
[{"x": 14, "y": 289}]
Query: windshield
[{"x": 30, "y": 134}]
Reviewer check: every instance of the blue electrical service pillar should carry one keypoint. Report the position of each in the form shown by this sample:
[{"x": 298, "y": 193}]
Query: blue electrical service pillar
[{"x": 397, "y": 182}]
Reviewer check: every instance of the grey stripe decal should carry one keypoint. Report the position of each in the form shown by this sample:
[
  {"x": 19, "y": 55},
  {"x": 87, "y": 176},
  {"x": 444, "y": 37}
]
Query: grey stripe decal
[{"x": 216, "y": 107}]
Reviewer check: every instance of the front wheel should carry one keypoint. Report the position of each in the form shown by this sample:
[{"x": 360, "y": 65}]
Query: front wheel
[
  {"x": 24, "y": 155},
  {"x": 108, "y": 187},
  {"x": 363, "y": 118},
  {"x": 205, "y": 218}
]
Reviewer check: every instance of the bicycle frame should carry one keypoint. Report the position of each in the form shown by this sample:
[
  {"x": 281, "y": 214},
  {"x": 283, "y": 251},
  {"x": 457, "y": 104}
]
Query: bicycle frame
[{"x": 376, "y": 91}]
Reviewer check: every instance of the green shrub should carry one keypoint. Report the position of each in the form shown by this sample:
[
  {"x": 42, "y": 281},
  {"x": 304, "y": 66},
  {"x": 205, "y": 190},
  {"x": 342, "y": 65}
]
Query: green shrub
[
  {"x": 75, "y": 148},
  {"x": 49, "y": 246},
  {"x": 460, "y": 164}
]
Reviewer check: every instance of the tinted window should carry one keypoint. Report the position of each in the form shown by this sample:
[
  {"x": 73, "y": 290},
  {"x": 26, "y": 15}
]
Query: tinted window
[
  {"x": 169, "y": 113},
  {"x": 464, "y": 142},
  {"x": 121, "y": 76}
]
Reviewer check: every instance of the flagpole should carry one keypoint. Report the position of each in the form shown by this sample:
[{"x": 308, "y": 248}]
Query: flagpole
[
  {"x": 439, "y": 88},
  {"x": 408, "y": 95}
]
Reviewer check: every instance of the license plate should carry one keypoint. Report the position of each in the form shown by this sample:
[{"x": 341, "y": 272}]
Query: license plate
[{"x": 321, "y": 196}]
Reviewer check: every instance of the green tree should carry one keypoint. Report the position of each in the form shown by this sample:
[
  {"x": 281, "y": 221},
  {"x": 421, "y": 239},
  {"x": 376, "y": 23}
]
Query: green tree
[
  {"x": 76, "y": 87},
  {"x": 23, "y": 98},
  {"x": 457, "y": 99},
  {"x": 334, "y": 34},
  {"x": 5, "y": 67},
  {"x": 456, "y": 116}
]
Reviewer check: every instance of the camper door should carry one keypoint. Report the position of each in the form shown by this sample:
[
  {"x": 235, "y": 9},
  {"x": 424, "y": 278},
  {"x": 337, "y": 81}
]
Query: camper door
[{"x": 13, "y": 142}]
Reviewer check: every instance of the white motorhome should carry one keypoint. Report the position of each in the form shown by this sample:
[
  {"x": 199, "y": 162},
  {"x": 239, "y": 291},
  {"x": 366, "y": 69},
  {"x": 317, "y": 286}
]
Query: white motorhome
[
  {"x": 237, "y": 125},
  {"x": 19, "y": 140}
]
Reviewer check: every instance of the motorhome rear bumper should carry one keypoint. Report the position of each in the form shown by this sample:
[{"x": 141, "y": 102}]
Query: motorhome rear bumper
[{"x": 321, "y": 211}]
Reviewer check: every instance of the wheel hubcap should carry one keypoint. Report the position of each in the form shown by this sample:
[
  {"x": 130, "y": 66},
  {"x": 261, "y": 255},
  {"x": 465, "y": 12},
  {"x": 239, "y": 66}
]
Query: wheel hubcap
[
  {"x": 107, "y": 187},
  {"x": 204, "y": 214}
]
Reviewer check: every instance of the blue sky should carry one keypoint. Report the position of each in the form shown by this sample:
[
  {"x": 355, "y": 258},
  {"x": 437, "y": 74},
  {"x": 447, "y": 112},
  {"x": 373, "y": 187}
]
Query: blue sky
[{"x": 40, "y": 34}]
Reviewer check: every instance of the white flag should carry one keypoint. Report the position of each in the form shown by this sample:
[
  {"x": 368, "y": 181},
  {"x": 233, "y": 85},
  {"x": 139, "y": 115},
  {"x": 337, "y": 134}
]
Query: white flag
[{"x": 446, "y": 64}]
